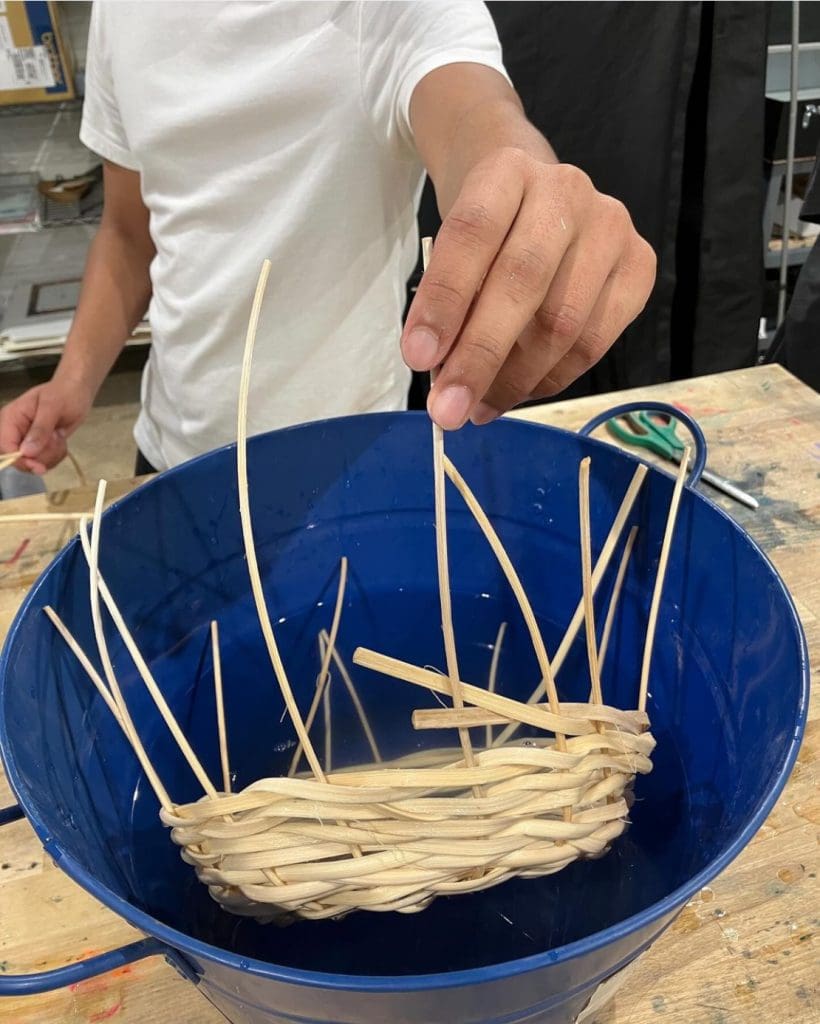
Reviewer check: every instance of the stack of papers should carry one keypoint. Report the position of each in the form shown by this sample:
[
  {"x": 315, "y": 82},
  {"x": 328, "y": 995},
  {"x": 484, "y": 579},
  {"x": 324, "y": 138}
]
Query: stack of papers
[{"x": 39, "y": 316}]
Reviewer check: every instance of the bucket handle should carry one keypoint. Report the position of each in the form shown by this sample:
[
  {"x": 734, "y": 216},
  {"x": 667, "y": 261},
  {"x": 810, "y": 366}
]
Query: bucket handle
[
  {"x": 60, "y": 977},
  {"x": 666, "y": 410},
  {"x": 71, "y": 974},
  {"x": 10, "y": 814}
]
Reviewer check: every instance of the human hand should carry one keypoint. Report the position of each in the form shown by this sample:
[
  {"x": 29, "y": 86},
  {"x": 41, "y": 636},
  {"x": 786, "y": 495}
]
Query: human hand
[
  {"x": 534, "y": 275},
  {"x": 40, "y": 420}
]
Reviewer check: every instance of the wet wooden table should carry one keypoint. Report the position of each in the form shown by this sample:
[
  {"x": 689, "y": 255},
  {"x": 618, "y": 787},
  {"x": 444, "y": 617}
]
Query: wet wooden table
[{"x": 744, "y": 950}]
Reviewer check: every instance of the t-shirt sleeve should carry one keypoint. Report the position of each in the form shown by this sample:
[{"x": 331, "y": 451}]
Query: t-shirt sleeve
[
  {"x": 101, "y": 128},
  {"x": 400, "y": 43}
]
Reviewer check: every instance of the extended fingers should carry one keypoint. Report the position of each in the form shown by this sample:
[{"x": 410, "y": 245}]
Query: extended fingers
[
  {"x": 466, "y": 245},
  {"x": 530, "y": 262}
]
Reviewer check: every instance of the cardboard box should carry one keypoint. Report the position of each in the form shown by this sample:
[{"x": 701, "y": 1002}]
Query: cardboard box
[{"x": 35, "y": 63}]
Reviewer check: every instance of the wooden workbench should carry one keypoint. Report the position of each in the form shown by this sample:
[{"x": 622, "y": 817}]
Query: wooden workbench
[{"x": 742, "y": 951}]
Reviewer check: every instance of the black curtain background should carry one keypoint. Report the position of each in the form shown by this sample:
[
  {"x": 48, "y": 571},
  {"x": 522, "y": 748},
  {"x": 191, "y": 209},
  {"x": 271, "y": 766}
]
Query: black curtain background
[{"x": 662, "y": 105}]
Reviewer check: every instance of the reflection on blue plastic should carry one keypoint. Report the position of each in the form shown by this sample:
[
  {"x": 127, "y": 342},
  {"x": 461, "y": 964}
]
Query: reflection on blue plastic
[{"x": 728, "y": 703}]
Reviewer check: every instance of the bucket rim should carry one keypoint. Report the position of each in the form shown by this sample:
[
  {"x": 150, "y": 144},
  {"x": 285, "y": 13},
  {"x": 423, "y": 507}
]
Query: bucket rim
[{"x": 388, "y": 984}]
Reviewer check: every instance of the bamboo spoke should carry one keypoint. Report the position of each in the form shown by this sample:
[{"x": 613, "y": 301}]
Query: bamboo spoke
[
  {"x": 220, "y": 709},
  {"x": 442, "y": 558},
  {"x": 598, "y": 572},
  {"x": 323, "y": 679},
  {"x": 247, "y": 530},
  {"x": 616, "y": 595},
  {"x": 671, "y": 519},
  {"x": 492, "y": 681}
]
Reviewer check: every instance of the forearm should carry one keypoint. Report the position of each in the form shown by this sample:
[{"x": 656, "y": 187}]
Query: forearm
[
  {"x": 114, "y": 297},
  {"x": 462, "y": 114}
]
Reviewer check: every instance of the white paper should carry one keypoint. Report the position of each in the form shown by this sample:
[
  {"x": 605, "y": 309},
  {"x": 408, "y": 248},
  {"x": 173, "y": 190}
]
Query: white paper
[{"x": 6, "y": 42}]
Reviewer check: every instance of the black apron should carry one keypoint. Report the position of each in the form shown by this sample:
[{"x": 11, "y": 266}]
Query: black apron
[{"x": 662, "y": 105}]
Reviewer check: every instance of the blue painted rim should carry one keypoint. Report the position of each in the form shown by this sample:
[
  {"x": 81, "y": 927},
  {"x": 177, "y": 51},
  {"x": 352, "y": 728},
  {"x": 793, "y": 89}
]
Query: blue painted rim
[{"x": 197, "y": 949}]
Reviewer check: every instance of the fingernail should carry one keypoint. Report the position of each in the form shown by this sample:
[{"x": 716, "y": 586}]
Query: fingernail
[
  {"x": 420, "y": 348},
  {"x": 451, "y": 407},
  {"x": 29, "y": 447},
  {"x": 484, "y": 413}
]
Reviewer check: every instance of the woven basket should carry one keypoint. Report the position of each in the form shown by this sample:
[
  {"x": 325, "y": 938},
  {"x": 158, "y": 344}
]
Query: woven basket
[{"x": 394, "y": 835}]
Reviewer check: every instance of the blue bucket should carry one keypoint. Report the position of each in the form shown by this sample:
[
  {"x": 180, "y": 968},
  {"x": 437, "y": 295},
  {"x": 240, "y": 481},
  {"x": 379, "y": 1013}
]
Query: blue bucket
[{"x": 729, "y": 691}]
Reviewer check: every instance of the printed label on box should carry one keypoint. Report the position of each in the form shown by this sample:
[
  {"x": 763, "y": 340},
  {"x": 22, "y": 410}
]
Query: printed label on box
[
  {"x": 25, "y": 67},
  {"x": 6, "y": 42}
]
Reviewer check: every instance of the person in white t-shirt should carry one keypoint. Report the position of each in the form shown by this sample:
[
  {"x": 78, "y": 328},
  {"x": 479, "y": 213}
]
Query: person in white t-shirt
[{"x": 231, "y": 132}]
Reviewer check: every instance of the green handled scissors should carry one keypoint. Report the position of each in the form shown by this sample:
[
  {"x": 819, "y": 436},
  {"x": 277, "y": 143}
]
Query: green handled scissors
[{"x": 659, "y": 435}]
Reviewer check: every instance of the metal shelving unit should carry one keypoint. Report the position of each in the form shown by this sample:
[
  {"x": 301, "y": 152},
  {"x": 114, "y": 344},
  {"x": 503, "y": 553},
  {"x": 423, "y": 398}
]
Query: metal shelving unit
[
  {"x": 798, "y": 247},
  {"x": 60, "y": 215},
  {"x": 48, "y": 221},
  {"x": 792, "y": 78},
  {"x": 41, "y": 140},
  {"x": 52, "y": 214}
]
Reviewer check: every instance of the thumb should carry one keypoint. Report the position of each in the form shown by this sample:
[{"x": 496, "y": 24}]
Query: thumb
[{"x": 42, "y": 428}]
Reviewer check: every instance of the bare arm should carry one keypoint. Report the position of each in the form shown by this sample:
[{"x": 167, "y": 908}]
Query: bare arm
[
  {"x": 534, "y": 273},
  {"x": 116, "y": 287},
  {"x": 465, "y": 112},
  {"x": 115, "y": 293}
]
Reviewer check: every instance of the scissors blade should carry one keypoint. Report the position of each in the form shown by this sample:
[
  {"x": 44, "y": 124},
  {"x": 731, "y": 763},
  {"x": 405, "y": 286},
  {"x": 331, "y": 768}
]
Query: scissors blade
[{"x": 724, "y": 486}]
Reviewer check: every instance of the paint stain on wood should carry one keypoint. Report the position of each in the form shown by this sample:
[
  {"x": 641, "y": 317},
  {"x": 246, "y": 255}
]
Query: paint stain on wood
[
  {"x": 790, "y": 875},
  {"x": 100, "y": 999},
  {"x": 18, "y": 554},
  {"x": 112, "y": 1011}
]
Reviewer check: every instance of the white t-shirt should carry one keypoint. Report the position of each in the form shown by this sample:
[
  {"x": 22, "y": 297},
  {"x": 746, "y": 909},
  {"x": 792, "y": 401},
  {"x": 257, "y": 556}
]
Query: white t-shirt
[{"x": 276, "y": 129}]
